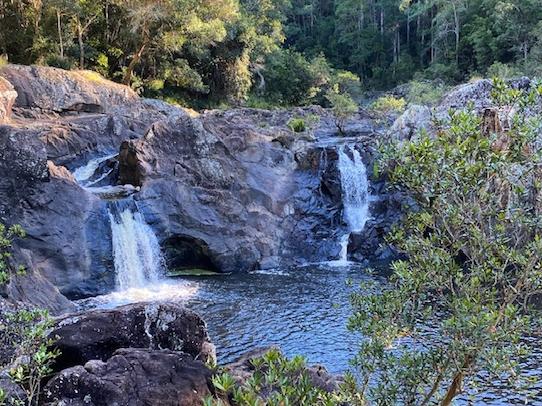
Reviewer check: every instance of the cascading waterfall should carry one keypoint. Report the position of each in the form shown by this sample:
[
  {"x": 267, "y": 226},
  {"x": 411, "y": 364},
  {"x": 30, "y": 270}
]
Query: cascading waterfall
[
  {"x": 355, "y": 188},
  {"x": 136, "y": 251},
  {"x": 85, "y": 173}
]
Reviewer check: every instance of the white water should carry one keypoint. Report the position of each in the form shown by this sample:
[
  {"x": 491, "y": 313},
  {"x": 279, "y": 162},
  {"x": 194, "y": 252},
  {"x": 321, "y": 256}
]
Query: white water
[
  {"x": 85, "y": 172},
  {"x": 355, "y": 188},
  {"x": 136, "y": 251}
]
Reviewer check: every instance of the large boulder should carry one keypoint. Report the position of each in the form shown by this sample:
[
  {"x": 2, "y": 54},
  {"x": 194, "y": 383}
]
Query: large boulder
[
  {"x": 97, "y": 334},
  {"x": 57, "y": 90},
  {"x": 7, "y": 100},
  {"x": 53, "y": 90},
  {"x": 409, "y": 124},
  {"x": 132, "y": 377}
]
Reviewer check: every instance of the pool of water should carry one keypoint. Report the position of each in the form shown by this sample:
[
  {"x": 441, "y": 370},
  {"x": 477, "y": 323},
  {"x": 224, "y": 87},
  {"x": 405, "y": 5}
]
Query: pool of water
[{"x": 303, "y": 311}]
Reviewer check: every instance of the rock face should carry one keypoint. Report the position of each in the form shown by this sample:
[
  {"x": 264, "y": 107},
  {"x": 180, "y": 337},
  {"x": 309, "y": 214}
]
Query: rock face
[
  {"x": 61, "y": 120},
  {"x": 227, "y": 191},
  {"x": 61, "y": 91},
  {"x": 97, "y": 334},
  {"x": 132, "y": 377},
  {"x": 223, "y": 184},
  {"x": 7, "y": 100}
]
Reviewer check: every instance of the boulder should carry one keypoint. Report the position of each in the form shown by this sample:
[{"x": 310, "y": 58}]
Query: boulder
[
  {"x": 57, "y": 90},
  {"x": 132, "y": 377},
  {"x": 7, "y": 100},
  {"x": 409, "y": 124},
  {"x": 52, "y": 90},
  {"x": 97, "y": 334}
]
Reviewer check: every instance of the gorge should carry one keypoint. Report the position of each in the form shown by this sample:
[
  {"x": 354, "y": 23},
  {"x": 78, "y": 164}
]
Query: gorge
[{"x": 260, "y": 225}]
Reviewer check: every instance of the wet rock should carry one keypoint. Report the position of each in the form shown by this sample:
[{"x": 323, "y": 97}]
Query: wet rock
[
  {"x": 132, "y": 377},
  {"x": 7, "y": 100},
  {"x": 225, "y": 183},
  {"x": 97, "y": 334}
]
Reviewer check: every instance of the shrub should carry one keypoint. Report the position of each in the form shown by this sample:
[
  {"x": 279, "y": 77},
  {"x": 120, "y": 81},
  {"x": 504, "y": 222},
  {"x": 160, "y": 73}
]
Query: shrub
[
  {"x": 3, "y": 60},
  {"x": 275, "y": 381},
  {"x": 460, "y": 301},
  {"x": 501, "y": 70},
  {"x": 7, "y": 234},
  {"x": 427, "y": 93},
  {"x": 297, "y": 125},
  {"x": 27, "y": 330},
  {"x": 389, "y": 104},
  {"x": 343, "y": 108}
]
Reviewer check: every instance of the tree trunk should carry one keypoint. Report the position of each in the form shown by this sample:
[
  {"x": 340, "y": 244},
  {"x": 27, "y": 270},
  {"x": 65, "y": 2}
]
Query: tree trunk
[
  {"x": 59, "y": 27},
  {"x": 133, "y": 63},
  {"x": 453, "y": 390},
  {"x": 81, "y": 45},
  {"x": 382, "y": 22},
  {"x": 457, "y": 32}
]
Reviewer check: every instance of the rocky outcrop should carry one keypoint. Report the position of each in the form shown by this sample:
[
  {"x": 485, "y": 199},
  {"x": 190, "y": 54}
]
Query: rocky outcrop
[
  {"x": 132, "y": 377},
  {"x": 411, "y": 122},
  {"x": 68, "y": 246},
  {"x": 222, "y": 182},
  {"x": 475, "y": 94},
  {"x": 57, "y": 90},
  {"x": 97, "y": 334},
  {"x": 226, "y": 191},
  {"x": 142, "y": 354},
  {"x": 7, "y": 100}
]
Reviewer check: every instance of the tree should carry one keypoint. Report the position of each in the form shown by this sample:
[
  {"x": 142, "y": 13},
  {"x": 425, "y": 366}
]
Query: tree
[
  {"x": 343, "y": 108},
  {"x": 461, "y": 300}
]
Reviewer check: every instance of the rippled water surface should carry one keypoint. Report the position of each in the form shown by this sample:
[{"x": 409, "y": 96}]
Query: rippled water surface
[{"x": 303, "y": 311}]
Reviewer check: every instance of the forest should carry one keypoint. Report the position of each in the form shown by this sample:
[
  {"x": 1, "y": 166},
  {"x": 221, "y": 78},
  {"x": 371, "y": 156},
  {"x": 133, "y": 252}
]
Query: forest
[{"x": 274, "y": 52}]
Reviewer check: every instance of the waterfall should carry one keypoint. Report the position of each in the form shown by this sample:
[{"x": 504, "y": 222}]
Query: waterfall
[
  {"x": 355, "y": 190},
  {"x": 84, "y": 174},
  {"x": 136, "y": 251}
]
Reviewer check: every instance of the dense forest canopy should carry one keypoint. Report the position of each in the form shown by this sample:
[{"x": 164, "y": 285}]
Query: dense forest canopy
[{"x": 281, "y": 51}]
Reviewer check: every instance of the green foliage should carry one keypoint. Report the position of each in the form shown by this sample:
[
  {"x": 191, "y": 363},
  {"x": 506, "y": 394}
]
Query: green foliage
[
  {"x": 343, "y": 107},
  {"x": 461, "y": 301},
  {"x": 501, "y": 70},
  {"x": 389, "y": 104},
  {"x": 276, "y": 381},
  {"x": 27, "y": 332},
  {"x": 297, "y": 125},
  {"x": 7, "y": 234},
  {"x": 427, "y": 93}
]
